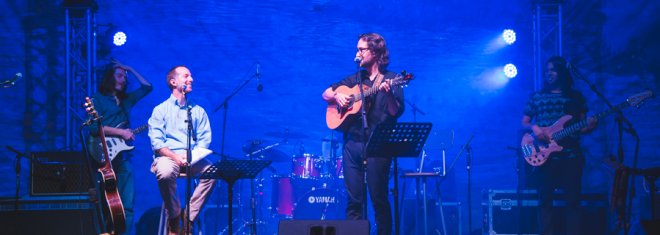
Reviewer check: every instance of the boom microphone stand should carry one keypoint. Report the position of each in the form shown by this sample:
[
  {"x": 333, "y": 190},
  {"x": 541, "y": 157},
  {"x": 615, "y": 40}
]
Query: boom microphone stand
[
  {"x": 620, "y": 121},
  {"x": 224, "y": 105}
]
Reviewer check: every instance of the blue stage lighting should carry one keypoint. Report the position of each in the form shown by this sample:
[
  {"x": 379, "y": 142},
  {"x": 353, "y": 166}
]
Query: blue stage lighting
[
  {"x": 119, "y": 38},
  {"x": 509, "y": 36},
  {"x": 510, "y": 70}
]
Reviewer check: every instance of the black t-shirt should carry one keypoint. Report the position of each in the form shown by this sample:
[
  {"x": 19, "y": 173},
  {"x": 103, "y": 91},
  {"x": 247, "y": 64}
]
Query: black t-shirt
[
  {"x": 376, "y": 106},
  {"x": 545, "y": 108}
]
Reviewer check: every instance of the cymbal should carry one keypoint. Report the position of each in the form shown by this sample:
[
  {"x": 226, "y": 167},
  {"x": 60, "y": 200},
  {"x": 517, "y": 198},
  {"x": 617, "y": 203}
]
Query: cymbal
[
  {"x": 261, "y": 150},
  {"x": 287, "y": 134}
]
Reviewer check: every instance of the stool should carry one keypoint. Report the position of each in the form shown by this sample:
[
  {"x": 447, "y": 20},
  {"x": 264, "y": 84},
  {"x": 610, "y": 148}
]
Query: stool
[
  {"x": 162, "y": 224},
  {"x": 423, "y": 176}
]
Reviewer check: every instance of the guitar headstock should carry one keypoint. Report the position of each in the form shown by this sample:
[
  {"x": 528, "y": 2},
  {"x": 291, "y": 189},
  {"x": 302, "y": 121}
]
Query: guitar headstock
[
  {"x": 89, "y": 108},
  {"x": 402, "y": 79},
  {"x": 637, "y": 99}
]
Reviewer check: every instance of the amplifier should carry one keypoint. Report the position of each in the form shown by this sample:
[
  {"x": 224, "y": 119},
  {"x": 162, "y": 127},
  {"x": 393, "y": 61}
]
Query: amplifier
[
  {"x": 58, "y": 173},
  {"x": 48, "y": 215},
  {"x": 507, "y": 212}
]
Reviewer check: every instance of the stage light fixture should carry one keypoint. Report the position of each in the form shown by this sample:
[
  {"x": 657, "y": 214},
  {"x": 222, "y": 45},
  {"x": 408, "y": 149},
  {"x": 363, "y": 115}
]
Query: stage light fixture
[
  {"x": 509, "y": 36},
  {"x": 510, "y": 70},
  {"x": 119, "y": 38}
]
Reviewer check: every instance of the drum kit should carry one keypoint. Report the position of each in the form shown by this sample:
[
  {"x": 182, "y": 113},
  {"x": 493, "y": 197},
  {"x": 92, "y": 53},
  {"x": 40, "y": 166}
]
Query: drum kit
[{"x": 304, "y": 185}]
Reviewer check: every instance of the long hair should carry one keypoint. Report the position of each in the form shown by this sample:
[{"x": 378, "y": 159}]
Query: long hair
[
  {"x": 108, "y": 82},
  {"x": 564, "y": 77},
  {"x": 378, "y": 46}
]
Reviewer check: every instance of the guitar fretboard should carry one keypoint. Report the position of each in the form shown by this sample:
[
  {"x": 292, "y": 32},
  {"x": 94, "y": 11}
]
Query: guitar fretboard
[{"x": 572, "y": 129}]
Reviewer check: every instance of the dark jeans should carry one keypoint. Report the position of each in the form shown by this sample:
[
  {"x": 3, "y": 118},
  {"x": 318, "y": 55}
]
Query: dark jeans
[
  {"x": 378, "y": 169},
  {"x": 124, "y": 171},
  {"x": 566, "y": 174}
]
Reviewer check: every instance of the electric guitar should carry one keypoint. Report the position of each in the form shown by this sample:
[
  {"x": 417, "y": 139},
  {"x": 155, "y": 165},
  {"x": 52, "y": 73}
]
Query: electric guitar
[
  {"x": 108, "y": 178},
  {"x": 537, "y": 152},
  {"x": 115, "y": 145},
  {"x": 335, "y": 114}
]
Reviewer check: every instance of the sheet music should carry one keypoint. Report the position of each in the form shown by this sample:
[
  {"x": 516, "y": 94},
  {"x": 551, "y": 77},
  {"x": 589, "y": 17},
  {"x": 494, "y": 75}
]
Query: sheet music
[{"x": 199, "y": 154}]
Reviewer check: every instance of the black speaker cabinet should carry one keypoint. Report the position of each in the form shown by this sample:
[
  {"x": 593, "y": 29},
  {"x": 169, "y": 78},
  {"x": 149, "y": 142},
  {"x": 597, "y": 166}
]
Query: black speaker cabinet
[
  {"x": 53, "y": 216},
  {"x": 58, "y": 173},
  {"x": 323, "y": 227}
]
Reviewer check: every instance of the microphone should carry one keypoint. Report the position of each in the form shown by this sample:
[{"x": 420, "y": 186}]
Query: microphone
[
  {"x": 259, "y": 86},
  {"x": 11, "y": 82},
  {"x": 357, "y": 59}
]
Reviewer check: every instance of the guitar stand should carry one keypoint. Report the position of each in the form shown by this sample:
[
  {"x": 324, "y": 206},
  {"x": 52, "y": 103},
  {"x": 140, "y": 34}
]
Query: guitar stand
[
  {"x": 405, "y": 139},
  {"x": 230, "y": 171}
]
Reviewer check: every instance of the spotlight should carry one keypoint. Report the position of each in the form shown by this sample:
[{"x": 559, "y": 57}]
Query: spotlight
[
  {"x": 119, "y": 38},
  {"x": 510, "y": 70},
  {"x": 509, "y": 36}
]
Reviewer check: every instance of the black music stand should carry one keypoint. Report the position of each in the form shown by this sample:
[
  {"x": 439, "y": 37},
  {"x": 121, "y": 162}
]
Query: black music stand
[
  {"x": 231, "y": 171},
  {"x": 404, "y": 139}
]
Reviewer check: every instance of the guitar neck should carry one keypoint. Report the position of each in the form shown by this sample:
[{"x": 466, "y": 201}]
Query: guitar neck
[
  {"x": 140, "y": 128},
  {"x": 584, "y": 123},
  {"x": 398, "y": 80},
  {"x": 367, "y": 93}
]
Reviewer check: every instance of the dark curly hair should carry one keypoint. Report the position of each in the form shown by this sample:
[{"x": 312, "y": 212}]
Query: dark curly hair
[
  {"x": 108, "y": 82},
  {"x": 378, "y": 46}
]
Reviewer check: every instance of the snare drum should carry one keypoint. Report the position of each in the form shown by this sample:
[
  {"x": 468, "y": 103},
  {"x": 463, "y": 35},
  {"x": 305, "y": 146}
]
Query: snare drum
[{"x": 307, "y": 166}]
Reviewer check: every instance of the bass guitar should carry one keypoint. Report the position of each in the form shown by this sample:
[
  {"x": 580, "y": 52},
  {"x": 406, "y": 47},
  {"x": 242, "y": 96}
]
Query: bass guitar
[
  {"x": 115, "y": 145},
  {"x": 108, "y": 177},
  {"x": 335, "y": 114},
  {"x": 537, "y": 152}
]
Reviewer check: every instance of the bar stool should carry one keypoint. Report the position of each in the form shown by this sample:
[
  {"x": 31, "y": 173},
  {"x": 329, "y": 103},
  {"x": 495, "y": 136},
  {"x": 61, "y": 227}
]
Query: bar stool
[
  {"x": 423, "y": 177},
  {"x": 162, "y": 224}
]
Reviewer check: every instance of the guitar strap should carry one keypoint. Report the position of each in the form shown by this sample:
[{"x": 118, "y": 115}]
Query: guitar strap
[{"x": 376, "y": 83}]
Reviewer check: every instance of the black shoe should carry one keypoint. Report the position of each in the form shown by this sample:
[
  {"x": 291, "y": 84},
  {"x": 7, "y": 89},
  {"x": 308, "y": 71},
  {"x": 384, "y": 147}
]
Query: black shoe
[{"x": 173, "y": 226}]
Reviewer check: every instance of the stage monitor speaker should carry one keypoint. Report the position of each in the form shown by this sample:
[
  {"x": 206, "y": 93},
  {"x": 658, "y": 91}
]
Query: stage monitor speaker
[
  {"x": 52, "y": 216},
  {"x": 58, "y": 173},
  {"x": 323, "y": 227}
]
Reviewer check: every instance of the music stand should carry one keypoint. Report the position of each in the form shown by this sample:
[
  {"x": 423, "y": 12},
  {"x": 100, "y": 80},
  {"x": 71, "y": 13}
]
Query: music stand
[
  {"x": 404, "y": 139},
  {"x": 232, "y": 170}
]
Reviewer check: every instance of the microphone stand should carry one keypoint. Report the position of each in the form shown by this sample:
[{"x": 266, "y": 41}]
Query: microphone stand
[
  {"x": 365, "y": 129},
  {"x": 620, "y": 121},
  {"x": 415, "y": 110},
  {"x": 188, "y": 224},
  {"x": 466, "y": 148},
  {"x": 224, "y": 105},
  {"x": 17, "y": 168}
]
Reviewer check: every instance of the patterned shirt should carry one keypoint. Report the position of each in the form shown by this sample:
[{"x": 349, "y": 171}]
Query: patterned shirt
[{"x": 546, "y": 108}]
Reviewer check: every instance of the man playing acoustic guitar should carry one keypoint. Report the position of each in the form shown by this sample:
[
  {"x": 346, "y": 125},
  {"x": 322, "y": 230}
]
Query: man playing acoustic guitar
[
  {"x": 114, "y": 104},
  {"x": 563, "y": 169},
  {"x": 385, "y": 106}
]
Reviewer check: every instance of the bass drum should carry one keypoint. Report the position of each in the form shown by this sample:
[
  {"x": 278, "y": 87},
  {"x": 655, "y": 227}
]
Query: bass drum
[{"x": 321, "y": 204}]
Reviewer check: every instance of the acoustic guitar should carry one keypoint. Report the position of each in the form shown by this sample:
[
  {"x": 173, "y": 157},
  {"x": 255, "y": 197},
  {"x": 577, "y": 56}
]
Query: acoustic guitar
[
  {"x": 335, "y": 114},
  {"x": 108, "y": 177}
]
